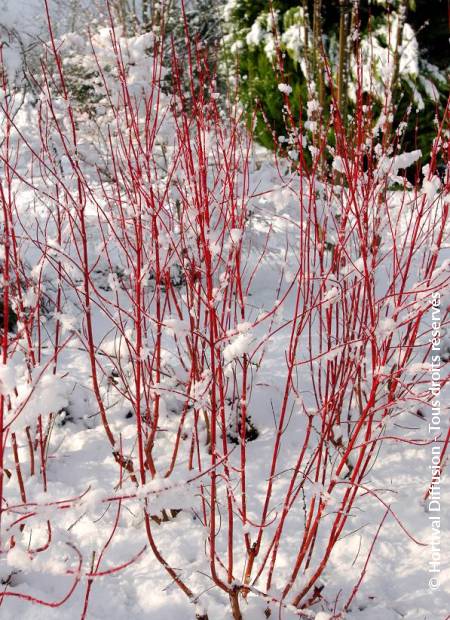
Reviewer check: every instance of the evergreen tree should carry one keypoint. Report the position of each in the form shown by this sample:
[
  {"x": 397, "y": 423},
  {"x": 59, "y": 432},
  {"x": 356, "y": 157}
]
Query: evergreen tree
[{"x": 304, "y": 42}]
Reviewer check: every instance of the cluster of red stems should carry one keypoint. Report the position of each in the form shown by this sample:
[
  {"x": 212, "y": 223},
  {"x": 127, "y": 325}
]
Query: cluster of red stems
[{"x": 353, "y": 367}]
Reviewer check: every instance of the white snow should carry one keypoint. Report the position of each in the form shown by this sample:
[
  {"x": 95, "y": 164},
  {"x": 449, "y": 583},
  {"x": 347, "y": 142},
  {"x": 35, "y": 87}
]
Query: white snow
[
  {"x": 285, "y": 88},
  {"x": 237, "y": 347}
]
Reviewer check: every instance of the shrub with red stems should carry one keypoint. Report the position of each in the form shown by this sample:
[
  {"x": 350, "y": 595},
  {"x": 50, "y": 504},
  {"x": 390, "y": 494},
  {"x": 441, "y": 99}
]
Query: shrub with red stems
[{"x": 239, "y": 331}]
